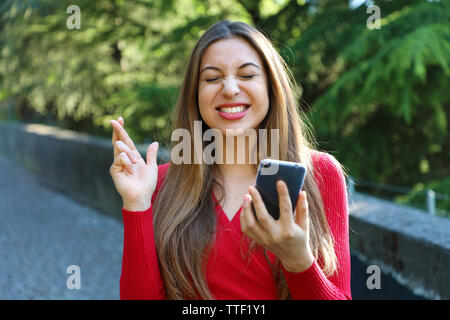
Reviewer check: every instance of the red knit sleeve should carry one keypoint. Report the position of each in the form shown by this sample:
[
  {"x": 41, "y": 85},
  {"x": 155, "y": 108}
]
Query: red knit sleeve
[
  {"x": 312, "y": 284},
  {"x": 141, "y": 278}
]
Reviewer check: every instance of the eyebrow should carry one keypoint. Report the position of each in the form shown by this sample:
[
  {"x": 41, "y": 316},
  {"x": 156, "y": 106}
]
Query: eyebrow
[{"x": 242, "y": 66}]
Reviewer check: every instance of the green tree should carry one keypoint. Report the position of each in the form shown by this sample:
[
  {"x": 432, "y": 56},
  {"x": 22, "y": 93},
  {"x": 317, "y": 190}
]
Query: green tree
[{"x": 377, "y": 98}]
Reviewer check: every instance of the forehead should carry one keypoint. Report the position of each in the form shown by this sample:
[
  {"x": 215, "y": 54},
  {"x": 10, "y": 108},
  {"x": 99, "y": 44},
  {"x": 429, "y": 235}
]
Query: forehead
[{"x": 230, "y": 53}]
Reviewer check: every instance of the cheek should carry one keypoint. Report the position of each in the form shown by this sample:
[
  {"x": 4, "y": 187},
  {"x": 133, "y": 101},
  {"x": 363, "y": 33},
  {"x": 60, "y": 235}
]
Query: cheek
[
  {"x": 205, "y": 97},
  {"x": 260, "y": 95}
]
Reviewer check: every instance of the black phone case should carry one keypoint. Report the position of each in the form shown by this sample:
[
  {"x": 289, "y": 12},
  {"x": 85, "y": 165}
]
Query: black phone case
[{"x": 292, "y": 173}]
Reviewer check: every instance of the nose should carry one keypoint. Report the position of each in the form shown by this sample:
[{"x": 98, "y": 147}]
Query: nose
[{"x": 230, "y": 87}]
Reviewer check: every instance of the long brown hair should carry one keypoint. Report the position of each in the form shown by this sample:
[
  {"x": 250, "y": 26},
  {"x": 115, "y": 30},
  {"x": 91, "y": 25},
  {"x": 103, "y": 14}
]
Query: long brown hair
[{"x": 184, "y": 219}]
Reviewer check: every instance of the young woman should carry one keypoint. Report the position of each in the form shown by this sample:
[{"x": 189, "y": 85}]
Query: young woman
[{"x": 189, "y": 229}]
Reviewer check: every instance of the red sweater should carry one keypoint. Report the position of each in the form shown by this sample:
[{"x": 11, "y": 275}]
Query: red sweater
[{"x": 229, "y": 275}]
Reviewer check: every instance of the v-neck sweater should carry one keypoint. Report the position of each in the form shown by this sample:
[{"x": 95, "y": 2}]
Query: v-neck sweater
[{"x": 230, "y": 274}]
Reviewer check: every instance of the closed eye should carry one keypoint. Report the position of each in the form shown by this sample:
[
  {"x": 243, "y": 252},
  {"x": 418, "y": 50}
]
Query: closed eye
[{"x": 244, "y": 77}]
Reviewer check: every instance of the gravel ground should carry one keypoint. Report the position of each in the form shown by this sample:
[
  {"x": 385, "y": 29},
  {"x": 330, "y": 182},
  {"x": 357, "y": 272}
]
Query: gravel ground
[{"x": 43, "y": 232}]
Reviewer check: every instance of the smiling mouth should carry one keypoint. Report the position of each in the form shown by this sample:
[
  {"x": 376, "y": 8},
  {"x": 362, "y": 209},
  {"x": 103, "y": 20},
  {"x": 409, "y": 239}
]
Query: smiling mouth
[{"x": 233, "y": 110}]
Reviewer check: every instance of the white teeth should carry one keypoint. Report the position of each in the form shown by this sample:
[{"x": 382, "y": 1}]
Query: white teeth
[{"x": 233, "y": 109}]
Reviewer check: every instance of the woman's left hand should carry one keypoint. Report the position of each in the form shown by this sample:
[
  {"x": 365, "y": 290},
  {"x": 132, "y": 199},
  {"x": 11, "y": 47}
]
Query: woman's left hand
[{"x": 287, "y": 237}]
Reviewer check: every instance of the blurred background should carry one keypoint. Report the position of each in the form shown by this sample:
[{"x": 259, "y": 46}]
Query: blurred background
[{"x": 378, "y": 99}]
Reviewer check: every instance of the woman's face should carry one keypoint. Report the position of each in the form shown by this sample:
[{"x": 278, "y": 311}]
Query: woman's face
[{"x": 233, "y": 86}]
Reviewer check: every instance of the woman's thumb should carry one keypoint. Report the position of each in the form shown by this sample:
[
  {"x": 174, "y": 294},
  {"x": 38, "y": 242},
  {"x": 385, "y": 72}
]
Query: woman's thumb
[{"x": 152, "y": 152}]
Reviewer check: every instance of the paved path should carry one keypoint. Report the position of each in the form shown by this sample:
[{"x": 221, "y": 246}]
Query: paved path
[{"x": 42, "y": 232}]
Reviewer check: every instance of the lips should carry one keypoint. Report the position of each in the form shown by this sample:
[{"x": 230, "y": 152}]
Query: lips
[{"x": 233, "y": 111}]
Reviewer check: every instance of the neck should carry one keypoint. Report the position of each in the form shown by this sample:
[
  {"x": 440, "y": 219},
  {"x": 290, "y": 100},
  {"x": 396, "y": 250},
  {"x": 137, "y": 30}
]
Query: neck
[
  {"x": 237, "y": 162},
  {"x": 237, "y": 171}
]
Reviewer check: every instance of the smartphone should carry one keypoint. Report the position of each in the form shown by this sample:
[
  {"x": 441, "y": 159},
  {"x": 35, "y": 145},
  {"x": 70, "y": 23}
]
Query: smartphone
[{"x": 269, "y": 172}]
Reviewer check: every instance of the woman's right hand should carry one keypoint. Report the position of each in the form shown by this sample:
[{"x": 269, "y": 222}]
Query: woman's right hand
[{"x": 134, "y": 178}]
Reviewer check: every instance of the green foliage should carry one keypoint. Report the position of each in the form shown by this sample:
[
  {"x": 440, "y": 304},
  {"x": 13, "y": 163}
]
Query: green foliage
[
  {"x": 124, "y": 54},
  {"x": 148, "y": 109},
  {"x": 378, "y": 99},
  {"x": 417, "y": 197},
  {"x": 389, "y": 103}
]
